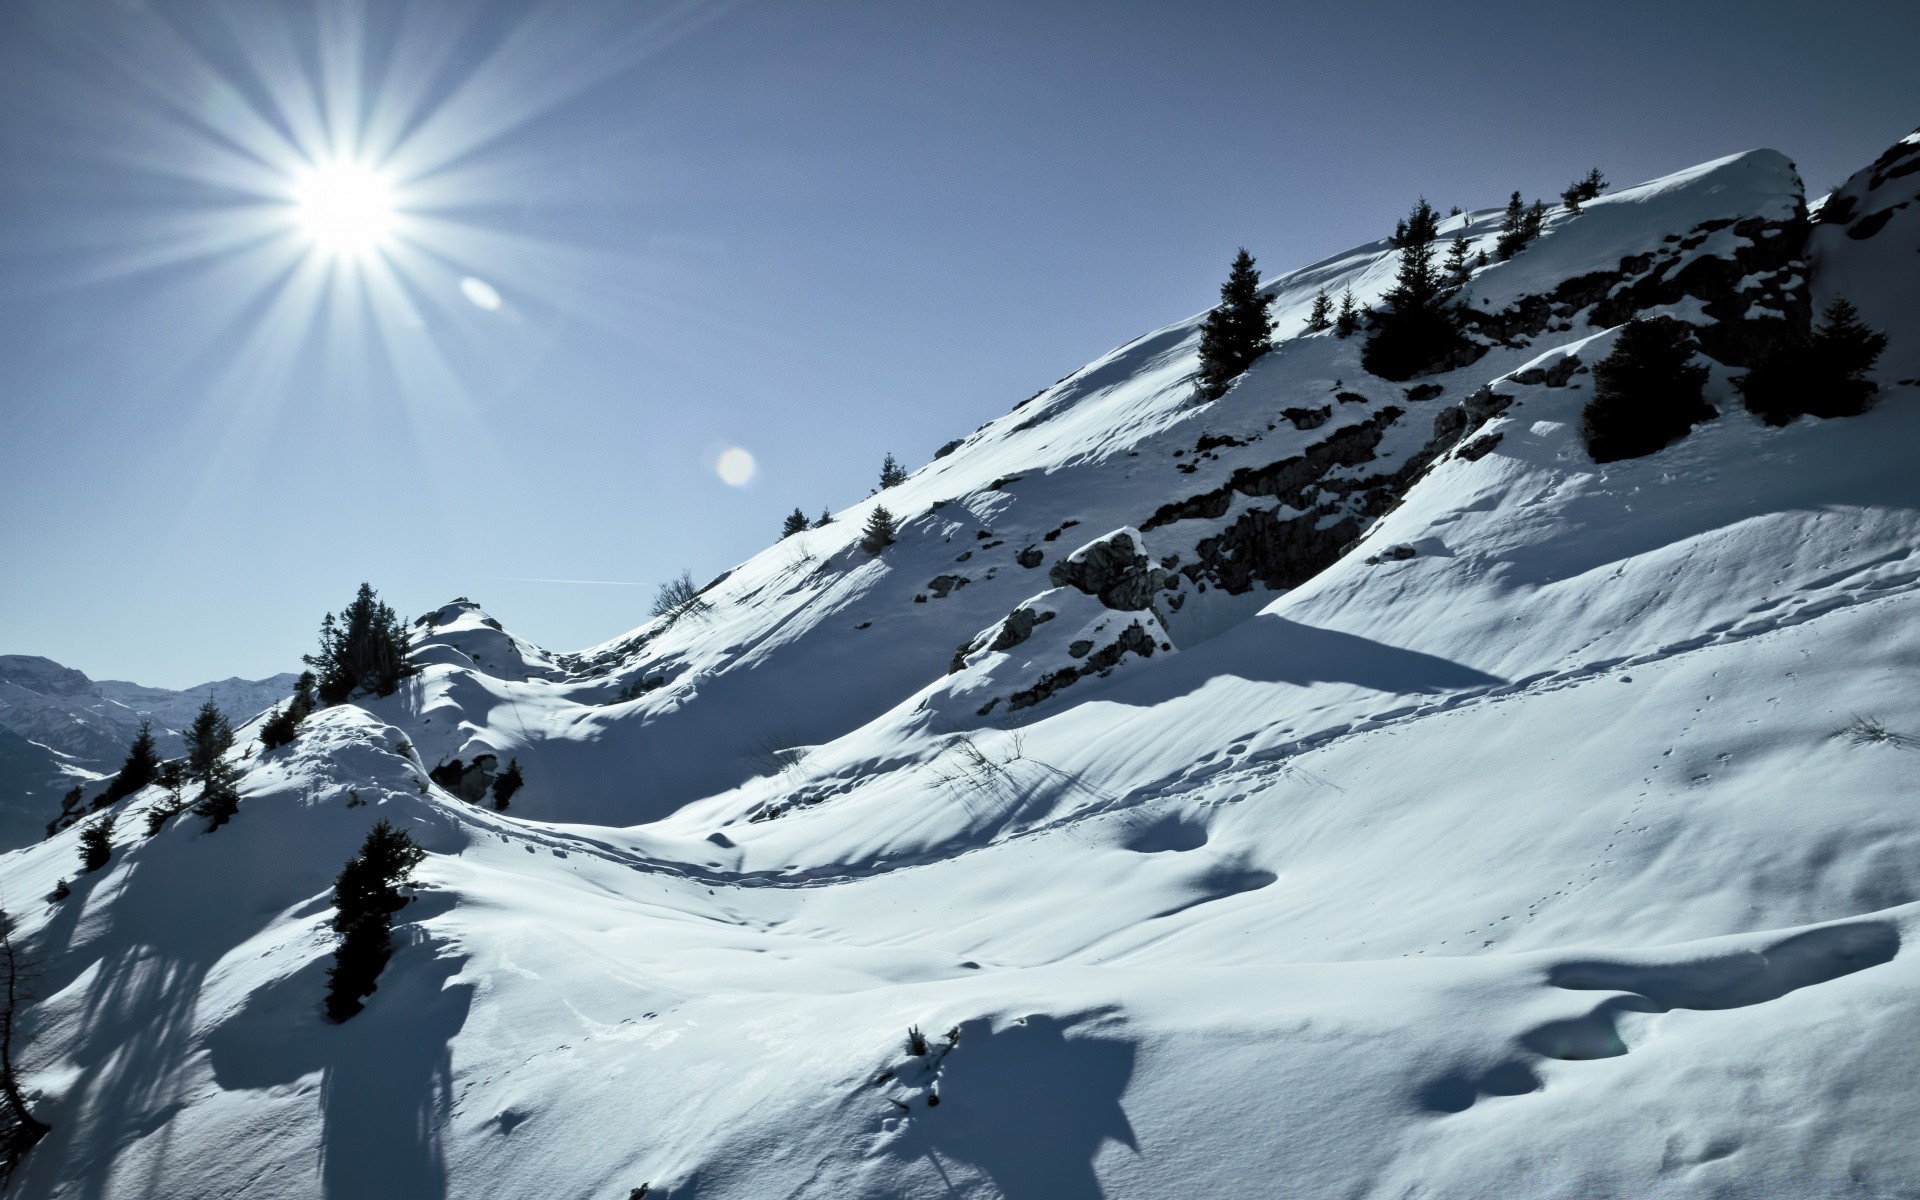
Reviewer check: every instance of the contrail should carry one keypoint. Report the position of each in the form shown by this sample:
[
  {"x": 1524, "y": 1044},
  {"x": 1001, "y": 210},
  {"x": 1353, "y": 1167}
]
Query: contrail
[{"x": 603, "y": 582}]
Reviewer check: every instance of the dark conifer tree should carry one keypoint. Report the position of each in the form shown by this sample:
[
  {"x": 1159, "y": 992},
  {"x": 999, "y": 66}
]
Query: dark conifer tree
[
  {"x": 505, "y": 784},
  {"x": 1535, "y": 220},
  {"x": 96, "y": 843},
  {"x": 277, "y": 730},
  {"x": 364, "y": 646},
  {"x": 1417, "y": 328},
  {"x": 1348, "y": 322},
  {"x": 219, "y": 795},
  {"x": 1238, "y": 331},
  {"x": 366, "y": 894},
  {"x": 879, "y": 532},
  {"x": 141, "y": 768},
  {"x": 892, "y": 474},
  {"x": 1584, "y": 189},
  {"x": 825, "y": 519},
  {"x": 1459, "y": 265},
  {"x": 210, "y": 736},
  {"x": 1822, "y": 374},
  {"x": 796, "y": 523},
  {"x": 1321, "y": 316},
  {"x": 1513, "y": 227},
  {"x": 1646, "y": 393}
]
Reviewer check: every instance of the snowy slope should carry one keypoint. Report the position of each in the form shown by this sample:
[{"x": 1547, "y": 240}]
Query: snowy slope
[{"x": 1531, "y": 845}]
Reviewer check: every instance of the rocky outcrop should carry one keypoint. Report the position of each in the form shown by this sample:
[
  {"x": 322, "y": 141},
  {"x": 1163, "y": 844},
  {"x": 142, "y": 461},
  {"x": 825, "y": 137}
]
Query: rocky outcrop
[{"x": 1115, "y": 569}]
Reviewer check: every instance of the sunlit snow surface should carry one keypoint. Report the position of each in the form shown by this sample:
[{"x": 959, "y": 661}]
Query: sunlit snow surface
[{"x": 1528, "y": 866}]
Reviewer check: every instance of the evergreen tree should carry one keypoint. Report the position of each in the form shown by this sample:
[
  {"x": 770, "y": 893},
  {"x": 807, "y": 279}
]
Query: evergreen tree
[
  {"x": 141, "y": 768},
  {"x": 1822, "y": 374},
  {"x": 1584, "y": 189},
  {"x": 1348, "y": 322},
  {"x": 505, "y": 784},
  {"x": 1459, "y": 265},
  {"x": 1420, "y": 228},
  {"x": 219, "y": 795},
  {"x": 880, "y": 531},
  {"x": 366, "y": 894},
  {"x": 60, "y": 890},
  {"x": 364, "y": 646},
  {"x": 210, "y": 736},
  {"x": 1321, "y": 318},
  {"x": 796, "y": 523},
  {"x": 826, "y": 519},
  {"x": 1417, "y": 328},
  {"x": 1646, "y": 393},
  {"x": 1535, "y": 220},
  {"x": 1238, "y": 330},
  {"x": 96, "y": 844},
  {"x": 277, "y": 730},
  {"x": 892, "y": 474},
  {"x": 1513, "y": 226}
]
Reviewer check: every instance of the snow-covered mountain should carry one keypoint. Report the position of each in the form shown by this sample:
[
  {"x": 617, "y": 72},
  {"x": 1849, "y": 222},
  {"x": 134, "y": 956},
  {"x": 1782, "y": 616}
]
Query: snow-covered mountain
[
  {"x": 59, "y": 728},
  {"x": 1343, "y": 788}
]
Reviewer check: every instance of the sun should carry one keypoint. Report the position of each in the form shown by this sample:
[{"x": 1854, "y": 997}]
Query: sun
[{"x": 345, "y": 208}]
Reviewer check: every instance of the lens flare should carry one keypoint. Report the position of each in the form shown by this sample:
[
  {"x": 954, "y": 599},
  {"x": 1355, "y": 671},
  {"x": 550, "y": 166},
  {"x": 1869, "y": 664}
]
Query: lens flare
[{"x": 735, "y": 467}]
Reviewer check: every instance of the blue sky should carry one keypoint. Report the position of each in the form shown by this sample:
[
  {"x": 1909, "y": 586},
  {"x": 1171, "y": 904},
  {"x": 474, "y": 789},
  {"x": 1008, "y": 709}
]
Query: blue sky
[{"x": 633, "y": 235}]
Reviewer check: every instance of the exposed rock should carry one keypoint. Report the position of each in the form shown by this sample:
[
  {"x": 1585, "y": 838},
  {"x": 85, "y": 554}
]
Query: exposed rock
[
  {"x": 1424, "y": 391},
  {"x": 1481, "y": 446},
  {"x": 942, "y": 585},
  {"x": 469, "y": 782},
  {"x": 1308, "y": 418},
  {"x": 1115, "y": 568},
  {"x": 1133, "y": 639},
  {"x": 1288, "y": 479},
  {"x": 1031, "y": 557}
]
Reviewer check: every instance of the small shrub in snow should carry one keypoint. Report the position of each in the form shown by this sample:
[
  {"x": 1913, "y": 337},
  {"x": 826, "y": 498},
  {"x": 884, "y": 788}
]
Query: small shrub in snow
[
  {"x": 1646, "y": 393},
  {"x": 1347, "y": 323},
  {"x": 825, "y": 519},
  {"x": 916, "y": 1041},
  {"x": 61, "y": 891},
  {"x": 366, "y": 894},
  {"x": 772, "y": 754},
  {"x": 96, "y": 844},
  {"x": 1237, "y": 331},
  {"x": 880, "y": 530},
  {"x": 1870, "y": 731},
  {"x": 677, "y": 598}
]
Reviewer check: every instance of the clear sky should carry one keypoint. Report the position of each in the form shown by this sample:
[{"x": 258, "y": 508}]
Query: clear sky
[{"x": 627, "y": 236}]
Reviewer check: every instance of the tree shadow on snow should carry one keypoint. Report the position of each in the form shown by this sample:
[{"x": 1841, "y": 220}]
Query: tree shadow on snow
[
  {"x": 1028, "y": 1107},
  {"x": 386, "y": 1087}
]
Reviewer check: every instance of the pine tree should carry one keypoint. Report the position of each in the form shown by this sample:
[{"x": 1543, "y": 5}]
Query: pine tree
[
  {"x": 1458, "y": 265},
  {"x": 1581, "y": 190},
  {"x": 1646, "y": 393},
  {"x": 796, "y": 523},
  {"x": 1238, "y": 331},
  {"x": 880, "y": 531},
  {"x": 219, "y": 795},
  {"x": 141, "y": 768},
  {"x": 505, "y": 784},
  {"x": 1513, "y": 226},
  {"x": 1348, "y": 322},
  {"x": 1321, "y": 318},
  {"x": 364, "y": 646},
  {"x": 1535, "y": 220},
  {"x": 366, "y": 894},
  {"x": 1417, "y": 327},
  {"x": 1822, "y": 374},
  {"x": 96, "y": 844},
  {"x": 277, "y": 730},
  {"x": 892, "y": 474},
  {"x": 210, "y": 736},
  {"x": 826, "y": 519}
]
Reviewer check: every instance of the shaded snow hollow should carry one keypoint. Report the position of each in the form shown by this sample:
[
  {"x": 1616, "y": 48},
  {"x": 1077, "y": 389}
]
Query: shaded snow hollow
[{"x": 1479, "y": 824}]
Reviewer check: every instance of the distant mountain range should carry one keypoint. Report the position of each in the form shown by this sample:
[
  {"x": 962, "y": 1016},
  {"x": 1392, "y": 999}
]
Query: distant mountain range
[{"x": 59, "y": 728}]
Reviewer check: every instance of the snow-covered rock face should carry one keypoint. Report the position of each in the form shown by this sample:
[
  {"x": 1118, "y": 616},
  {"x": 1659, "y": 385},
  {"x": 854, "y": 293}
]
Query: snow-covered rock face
[
  {"x": 1346, "y": 782},
  {"x": 1862, "y": 236}
]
